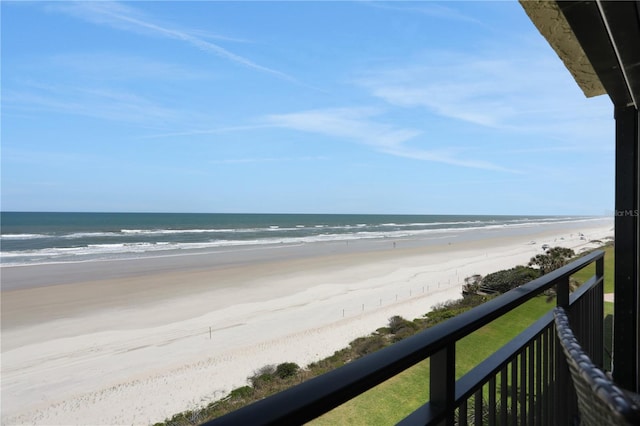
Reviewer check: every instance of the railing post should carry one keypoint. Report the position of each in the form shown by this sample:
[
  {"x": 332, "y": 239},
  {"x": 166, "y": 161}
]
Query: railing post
[
  {"x": 562, "y": 384},
  {"x": 600, "y": 267},
  {"x": 442, "y": 382},
  {"x": 626, "y": 315},
  {"x": 598, "y": 352},
  {"x": 562, "y": 293}
]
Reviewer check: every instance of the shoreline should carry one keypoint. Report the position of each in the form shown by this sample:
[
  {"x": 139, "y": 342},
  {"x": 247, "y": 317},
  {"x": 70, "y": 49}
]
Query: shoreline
[
  {"x": 55, "y": 273},
  {"x": 142, "y": 343}
]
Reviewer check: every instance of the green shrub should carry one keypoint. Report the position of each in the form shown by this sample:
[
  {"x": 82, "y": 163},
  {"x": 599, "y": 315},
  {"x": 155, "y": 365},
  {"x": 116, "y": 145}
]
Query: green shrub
[
  {"x": 263, "y": 377},
  {"x": 397, "y": 323},
  {"x": 439, "y": 315},
  {"x": 287, "y": 369},
  {"x": 552, "y": 259},
  {"x": 443, "y": 311},
  {"x": 401, "y": 328},
  {"x": 365, "y": 345},
  {"x": 241, "y": 393},
  {"x": 470, "y": 301},
  {"x": 383, "y": 331},
  {"x": 505, "y": 280}
]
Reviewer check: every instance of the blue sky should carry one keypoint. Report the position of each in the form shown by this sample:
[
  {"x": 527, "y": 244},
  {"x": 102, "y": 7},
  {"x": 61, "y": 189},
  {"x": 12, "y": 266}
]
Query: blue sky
[{"x": 299, "y": 107}]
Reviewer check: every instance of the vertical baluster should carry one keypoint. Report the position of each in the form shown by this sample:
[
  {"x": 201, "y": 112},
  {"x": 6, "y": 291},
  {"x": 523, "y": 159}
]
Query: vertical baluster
[
  {"x": 523, "y": 387},
  {"x": 478, "y": 408},
  {"x": 575, "y": 316},
  {"x": 553, "y": 377},
  {"x": 548, "y": 371},
  {"x": 599, "y": 333},
  {"x": 593, "y": 320},
  {"x": 586, "y": 322},
  {"x": 599, "y": 296},
  {"x": 539, "y": 367},
  {"x": 462, "y": 414},
  {"x": 492, "y": 400},
  {"x": 531, "y": 375},
  {"x": 504, "y": 392},
  {"x": 514, "y": 391}
]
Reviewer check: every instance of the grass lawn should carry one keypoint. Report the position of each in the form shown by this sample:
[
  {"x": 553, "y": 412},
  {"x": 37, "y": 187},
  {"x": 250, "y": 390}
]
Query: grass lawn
[
  {"x": 585, "y": 274},
  {"x": 609, "y": 263},
  {"x": 396, "y": 398}
]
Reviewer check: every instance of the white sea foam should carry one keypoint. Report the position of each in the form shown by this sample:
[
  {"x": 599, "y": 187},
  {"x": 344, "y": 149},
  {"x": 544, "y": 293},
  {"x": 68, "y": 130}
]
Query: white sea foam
[
  {"x": 268, "y": 235},
  {"x": 78, "y": 235},
  {"x": 172, "y": 231},
  {"x": 22, "y": 236}
]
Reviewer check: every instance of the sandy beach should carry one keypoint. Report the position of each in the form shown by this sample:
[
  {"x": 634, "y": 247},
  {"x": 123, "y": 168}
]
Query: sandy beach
[{"x": 134, "y": 342}]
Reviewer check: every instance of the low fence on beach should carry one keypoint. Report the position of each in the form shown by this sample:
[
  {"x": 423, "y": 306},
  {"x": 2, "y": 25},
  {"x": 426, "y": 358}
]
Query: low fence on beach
[{"x": 526, "y": 380}]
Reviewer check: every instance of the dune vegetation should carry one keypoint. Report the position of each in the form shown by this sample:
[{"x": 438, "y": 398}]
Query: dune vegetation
[{"x": 394, "y": 399}]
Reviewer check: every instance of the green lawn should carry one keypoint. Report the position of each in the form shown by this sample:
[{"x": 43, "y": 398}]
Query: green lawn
[
  {"x": 585, "y": 274},
  {"x": 609, "y": 262},
  {"x": 396, "y": 398}
]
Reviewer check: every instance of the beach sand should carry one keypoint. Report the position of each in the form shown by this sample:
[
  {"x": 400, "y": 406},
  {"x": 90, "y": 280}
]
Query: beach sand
[{"x": 134, "y": 342}]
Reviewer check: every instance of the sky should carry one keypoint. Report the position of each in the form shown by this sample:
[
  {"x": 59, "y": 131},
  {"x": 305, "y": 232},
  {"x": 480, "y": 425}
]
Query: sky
[{"x": 295, "y": 107}]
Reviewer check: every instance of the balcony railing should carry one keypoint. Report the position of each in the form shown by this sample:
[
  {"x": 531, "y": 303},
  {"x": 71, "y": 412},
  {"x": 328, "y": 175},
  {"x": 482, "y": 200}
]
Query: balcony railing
[{"x": 530, "y": 370}]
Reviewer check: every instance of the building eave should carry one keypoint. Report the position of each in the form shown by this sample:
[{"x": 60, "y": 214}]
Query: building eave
[
  {"x": 598, "y": 41},
  {"x": 552, "y": 24}
]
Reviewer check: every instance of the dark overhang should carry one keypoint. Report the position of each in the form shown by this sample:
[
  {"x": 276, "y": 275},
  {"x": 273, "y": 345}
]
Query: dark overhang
[{"x": 598, "y": 41}]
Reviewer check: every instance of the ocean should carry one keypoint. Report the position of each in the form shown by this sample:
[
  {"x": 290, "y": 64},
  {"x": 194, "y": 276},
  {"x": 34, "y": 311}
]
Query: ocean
[{"x": 38, "y": 238}]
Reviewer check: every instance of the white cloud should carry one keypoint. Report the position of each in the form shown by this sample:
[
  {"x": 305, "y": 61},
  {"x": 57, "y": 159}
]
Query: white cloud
[
  {"x": 348, "y": 123},
  {"x": 479, "y": 91},
  {"x": 446, "y": 157},
  {"x": 358, "y": 125},
  {"x": 207, "y": 131},
  {"x": 432, "y": 9},
  {"x": 103, "y": 103},
  {"x": 126, "y": 18},
  {"x": 111, "y": 66},
  {"x": 267, "y": 160},
  {"x": 209, "y": 35},
  {"x": 501, "y": 89}
]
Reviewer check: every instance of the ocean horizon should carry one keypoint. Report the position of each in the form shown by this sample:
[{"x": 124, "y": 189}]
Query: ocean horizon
[{"x": 29, "y": 238}]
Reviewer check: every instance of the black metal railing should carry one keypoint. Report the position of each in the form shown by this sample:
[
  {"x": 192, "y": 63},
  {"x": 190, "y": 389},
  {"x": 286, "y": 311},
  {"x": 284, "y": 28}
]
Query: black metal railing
[{"x": 529, "y": 371}]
